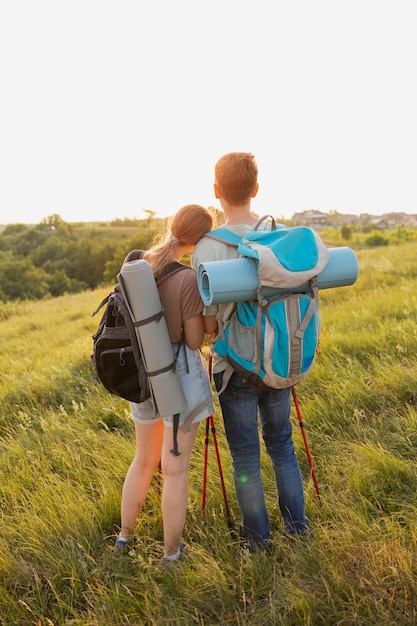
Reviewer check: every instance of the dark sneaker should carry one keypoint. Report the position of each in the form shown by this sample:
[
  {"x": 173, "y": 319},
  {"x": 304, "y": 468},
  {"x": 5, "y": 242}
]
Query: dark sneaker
[
  {"x": 123, "y": 546},
  {"x": 168, "y": 563},
  {"x": 253, "y": 547}
]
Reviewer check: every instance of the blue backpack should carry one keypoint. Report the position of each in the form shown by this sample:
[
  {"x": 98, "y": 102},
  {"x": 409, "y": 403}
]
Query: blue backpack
[{"x": 272, "y": 341}]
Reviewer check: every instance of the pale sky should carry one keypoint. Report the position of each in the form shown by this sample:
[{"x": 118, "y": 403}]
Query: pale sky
[{"x": 109, "y": 108}]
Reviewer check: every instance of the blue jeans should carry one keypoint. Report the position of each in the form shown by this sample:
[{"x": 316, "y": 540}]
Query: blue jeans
[{"x": 240, "y": 403}]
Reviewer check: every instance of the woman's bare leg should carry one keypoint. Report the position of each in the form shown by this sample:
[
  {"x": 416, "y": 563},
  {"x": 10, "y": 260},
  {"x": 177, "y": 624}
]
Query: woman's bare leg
[
  {"x": 175, "y": 488},
  {"x": 149, "y": 439}
]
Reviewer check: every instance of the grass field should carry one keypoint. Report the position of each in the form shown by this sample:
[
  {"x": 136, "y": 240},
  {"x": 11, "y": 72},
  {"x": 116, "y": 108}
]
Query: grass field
[{"x": 65, "y": 446}]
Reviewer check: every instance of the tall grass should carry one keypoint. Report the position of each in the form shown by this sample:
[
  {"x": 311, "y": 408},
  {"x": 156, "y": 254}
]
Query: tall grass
[{"x": 65, "y": 446}]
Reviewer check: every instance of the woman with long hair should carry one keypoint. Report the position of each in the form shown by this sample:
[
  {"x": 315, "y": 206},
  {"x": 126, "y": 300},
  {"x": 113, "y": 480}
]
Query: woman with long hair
[{"x": 183, "y": 308}]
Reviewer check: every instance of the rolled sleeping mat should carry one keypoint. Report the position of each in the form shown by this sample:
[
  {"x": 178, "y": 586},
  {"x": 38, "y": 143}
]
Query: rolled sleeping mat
[
  {"x": 142, "y": 298},
  {"x": 236, "y": 280}
]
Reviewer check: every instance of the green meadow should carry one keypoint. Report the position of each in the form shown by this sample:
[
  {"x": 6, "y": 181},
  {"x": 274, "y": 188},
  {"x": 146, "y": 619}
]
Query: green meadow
[{"x": 65, "y": 446}]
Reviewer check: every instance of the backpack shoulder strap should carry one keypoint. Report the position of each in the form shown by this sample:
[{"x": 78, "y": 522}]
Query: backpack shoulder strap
[
  {"x": 170, "y": 269},
  {"x": 102, "y": 303},
  {"x": 233, "y": 239},
  {"x": 225, "y": 235}
]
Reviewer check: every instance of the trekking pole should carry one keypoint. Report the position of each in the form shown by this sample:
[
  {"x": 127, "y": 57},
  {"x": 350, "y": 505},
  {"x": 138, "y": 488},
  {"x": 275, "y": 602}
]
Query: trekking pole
[
  {"x": 310, "y": 461},
  {"x": 210, "y": 422},
  {"x": 206, "y": 445},
  {"x": 219, "y": 465}
]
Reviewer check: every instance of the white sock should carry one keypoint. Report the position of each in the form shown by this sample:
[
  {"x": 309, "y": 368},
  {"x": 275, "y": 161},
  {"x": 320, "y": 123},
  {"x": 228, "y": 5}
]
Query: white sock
[{"x": 174, "y": 557}]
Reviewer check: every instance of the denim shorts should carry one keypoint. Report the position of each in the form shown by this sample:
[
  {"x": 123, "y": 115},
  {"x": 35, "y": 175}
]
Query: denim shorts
[{"x": 195, "y": 383}]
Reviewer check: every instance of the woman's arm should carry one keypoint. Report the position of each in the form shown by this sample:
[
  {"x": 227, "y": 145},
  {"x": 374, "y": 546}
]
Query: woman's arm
[
  {"x": 194, "y": 332},
  {"x": 210, "y": 324}
]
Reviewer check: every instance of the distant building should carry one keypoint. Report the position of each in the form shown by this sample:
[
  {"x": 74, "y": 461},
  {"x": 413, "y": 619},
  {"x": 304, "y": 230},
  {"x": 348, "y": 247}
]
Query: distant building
[
  {"x": 392, "y": 220},
  {"x": 313, "y": 219},
  {"x": 317, "y": 219},
  {"x": 348, "y": 218}
]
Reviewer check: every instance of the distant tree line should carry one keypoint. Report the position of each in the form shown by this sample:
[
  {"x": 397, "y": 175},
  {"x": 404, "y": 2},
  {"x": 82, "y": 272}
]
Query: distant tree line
[{"x": 54, "y": 257}]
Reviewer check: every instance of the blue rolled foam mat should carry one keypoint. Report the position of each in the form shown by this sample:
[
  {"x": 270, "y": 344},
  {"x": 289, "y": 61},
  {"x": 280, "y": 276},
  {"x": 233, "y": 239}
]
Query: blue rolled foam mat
[{"x": 236, "y": 280}]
